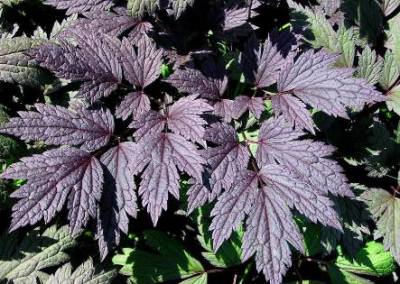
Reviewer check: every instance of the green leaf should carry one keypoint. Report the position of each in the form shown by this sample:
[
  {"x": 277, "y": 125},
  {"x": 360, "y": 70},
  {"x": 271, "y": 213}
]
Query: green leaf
[
  {"x": 391, "y": 71},
  {"x": 9, "y": 147},
  {"x": 393, "y": 102},
  {"x": 345, "y": 45},
  {"x": 229, "y": 253},
  {"x": 165, "y": 71},
  {"x": 369, "y": 66},
  {"x": 394, "y": 37},
  {"x": 169, "y": 261},
  {"x": 385, "y": 210},
  {"x": 311, "y": 236},
  {"x": 17, "y": 67},
  {"x": 353, "y": 216},
  {"x": 85, "y": 273},
  {"x": 389, "y": 6},
  {"x": 138, "y": 8},
  {"x": 323, "y": 35},
  {"x": 199, "y": 279},
  {"x": 11, "y": 3},
  {"x": 59, "y": 27},
  {"x": 338, "y": 276},
  {"x": 35, "y": 253},
  {"x": 179, "y": 6},
  {"x": 370, "y": 260}
]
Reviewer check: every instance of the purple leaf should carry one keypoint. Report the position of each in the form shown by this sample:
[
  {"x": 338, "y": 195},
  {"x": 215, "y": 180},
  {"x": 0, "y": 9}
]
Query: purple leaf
[
  {"x": 119, "y": 198},
  {"x": 215, "y": 72},
  {"x": 301, "y": 195},
  {"x": 160, "y": 156},
  {"x": 79, "y": 6},
  {"x": 278, "y": 144},
  {"x": 330, "y": 6},
  {"x": 135, "y": 104},
  {"x": 148, "y": 124},
  {"x": 269, "y": 230},
  {"x": 225, "y": 109},
  {"x": 294, "y": 111},
  {"x": 232, "y": 206},
  {"x": 198, "y": 193},
  {"x": 313, "y": 80},
  {"x": 236, "y": 19},
  {"x": 56, "y": 125},
  {"x": 226, "y": 160},
  {"x": 211, "y": 85},
  {"x": 182, "y": 118},
  {"x": 261, "y": 63},
  {"x": 141, "y": 29},
  {"x": 193, "y": 81},
  {"x": 104, "y": 22},
  {"x": 141, "y": 68},
  {"x": 267, "y": 198},
  {"x": 53, "y": 177},
  {"x": 95, "y": 63},
  {"x": 244, "y": 103}
]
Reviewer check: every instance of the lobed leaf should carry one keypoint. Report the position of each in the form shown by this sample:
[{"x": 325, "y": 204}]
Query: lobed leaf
[
  {"x": 384, "y": 208},
  {"x": 99, "y": 71},
  {"x": 79, "y": 6},
  {"x": 56, "y": 125},
  {"x": 119, "y": 199},
  {"x": 53, "y": 177}
]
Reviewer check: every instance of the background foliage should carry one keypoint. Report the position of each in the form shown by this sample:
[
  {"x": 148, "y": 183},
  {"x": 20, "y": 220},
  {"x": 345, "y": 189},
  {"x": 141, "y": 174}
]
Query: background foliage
[{"x": 366, "y": 36}]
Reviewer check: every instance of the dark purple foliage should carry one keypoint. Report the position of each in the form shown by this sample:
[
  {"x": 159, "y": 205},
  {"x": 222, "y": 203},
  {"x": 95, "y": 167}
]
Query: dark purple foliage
[
  {"x": 197, "y": 125},
  {"x": 119, "y": 198},
  {"x": 104, "y": 22},
  {"x": 285, "y": 168},
  {"x": 141, "y": 67},
  {"x": 261, "y": 62},
  {"x": 161, "y": 154},
  {"x": 79, "y": 6},
  {"x": 312, "y": 79},
  {"x": 95, "y": 63},
  {"x": 192, "y": 81},
  {"x": 54, "y": 178},
  {"x": 56, "y": 125}
]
